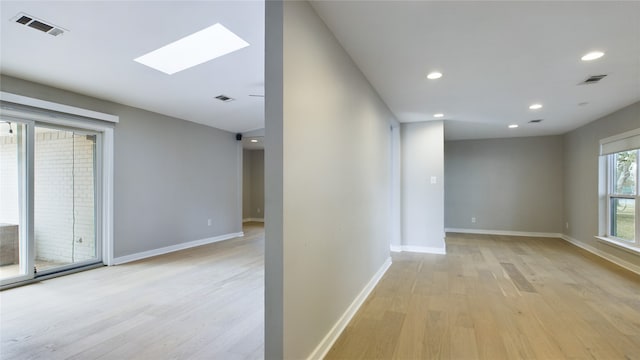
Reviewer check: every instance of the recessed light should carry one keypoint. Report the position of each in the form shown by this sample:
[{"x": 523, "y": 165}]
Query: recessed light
[
  {"x": 535, "y": 106},
  {"x": 253, "y": 140},
  {"x": 513, "y": 126},
  {"x": 438, "y": 115},
  {"x": 592, "y": 56},
  {"x": 434, "y": 75},
  {"x": 194, "y": 49}
]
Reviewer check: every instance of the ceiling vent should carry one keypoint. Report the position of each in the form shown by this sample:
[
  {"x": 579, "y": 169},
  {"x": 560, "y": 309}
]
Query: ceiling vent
[
  {"x": 224, "y": 98},
  {"x": 593, "y": 79},
  {"x": 535, "y": 121},
  {"x": 38, "y": 24}
]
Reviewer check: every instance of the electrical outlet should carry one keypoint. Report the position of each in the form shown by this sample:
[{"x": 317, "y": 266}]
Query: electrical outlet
[
  {"x": 434, "y": 179},
  {"x": 473, "y": 220},
  {"x": 209, "y": 222},
  {"x": 566, "y": 225},
  {"x": 259, "y": 210}
]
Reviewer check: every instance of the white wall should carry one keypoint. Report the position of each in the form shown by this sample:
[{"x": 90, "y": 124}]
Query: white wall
[
  {"x": 334, "y": 134},
  {"x": 423, "y": 200}
]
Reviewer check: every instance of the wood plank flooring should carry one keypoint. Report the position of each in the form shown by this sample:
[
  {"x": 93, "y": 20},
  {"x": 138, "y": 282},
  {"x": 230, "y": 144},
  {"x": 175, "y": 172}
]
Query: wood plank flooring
[
  {"x": 200, "y": 303},
  {"x": 490, "y": 297},
  {"x": 498, "y": 297}
]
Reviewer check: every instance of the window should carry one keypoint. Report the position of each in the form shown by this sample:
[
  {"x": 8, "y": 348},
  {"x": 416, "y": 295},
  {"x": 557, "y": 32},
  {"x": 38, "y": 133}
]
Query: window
[
  {"x": 623, "y": 196},
  {"x": 620, "y": 157}
]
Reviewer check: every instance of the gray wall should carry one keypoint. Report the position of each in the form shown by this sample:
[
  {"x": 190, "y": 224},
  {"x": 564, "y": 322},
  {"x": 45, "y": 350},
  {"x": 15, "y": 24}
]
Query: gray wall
[
  {"x": 333, "y": 151},
  {"x": 510, "y": 184},
  {"x": 581, "y": 153},
  {"x": 422, "y": 200},
  {"x": 253, "y": 184},
  {"x": 170, "y": 175}
]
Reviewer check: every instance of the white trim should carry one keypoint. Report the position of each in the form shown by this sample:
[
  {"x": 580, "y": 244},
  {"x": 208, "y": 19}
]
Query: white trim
[
  {"x": 325, "y": 345},
  {"x": 253, "y": 219},
  {"x": 168, "y": 249},
  {"x": 419, "y": 249},
  {"x": 621, "y": 142},
  {"x": 619, "y": 244},
  {"x": 622, "y": 263},
  {"x": 48, "y": 105},
  {"x": 504, "y": 232},
  {"x": 107, "y": 196}
]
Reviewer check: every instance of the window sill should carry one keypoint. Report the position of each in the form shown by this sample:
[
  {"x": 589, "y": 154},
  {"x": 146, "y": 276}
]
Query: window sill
[{"x": 619, "y": 244}]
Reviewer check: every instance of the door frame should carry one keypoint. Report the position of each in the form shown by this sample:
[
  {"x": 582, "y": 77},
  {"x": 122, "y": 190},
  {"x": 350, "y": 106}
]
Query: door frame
[{"x": 32, "y": 111}]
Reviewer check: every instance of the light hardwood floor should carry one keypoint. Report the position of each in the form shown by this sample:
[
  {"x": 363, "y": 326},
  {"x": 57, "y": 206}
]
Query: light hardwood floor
[
  {"x": 201, "y": 303},
  {"x": 498, "y": 297}
]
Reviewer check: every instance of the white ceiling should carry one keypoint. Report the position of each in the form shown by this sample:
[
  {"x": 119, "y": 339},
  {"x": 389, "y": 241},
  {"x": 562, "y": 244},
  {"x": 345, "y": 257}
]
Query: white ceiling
[
  {"x": 497, "y": 59},
  {"x": 95, "y": 57}
]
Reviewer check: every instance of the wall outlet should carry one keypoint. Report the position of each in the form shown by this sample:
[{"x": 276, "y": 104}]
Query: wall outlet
[
  {"x": 209, "y": 222},
  {"x": 473, "y": 220},
  {"x": 259, "y": 210},
  {"x": 434, "y": 179},
  {"x": 566, "y": 225}
]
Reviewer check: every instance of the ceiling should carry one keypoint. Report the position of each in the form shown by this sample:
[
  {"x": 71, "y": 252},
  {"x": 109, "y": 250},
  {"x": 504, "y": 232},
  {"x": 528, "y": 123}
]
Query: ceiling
[
  {"x": 497, "y": 58},
  {"x": 95, "y": 56}
]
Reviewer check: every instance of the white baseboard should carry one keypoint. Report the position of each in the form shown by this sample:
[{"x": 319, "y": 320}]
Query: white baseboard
[
  {"x": 504, "y": 232},
  {"x": 253, "y": 220},
  {"x": 419, "y": 249},
  {"x": 325, "y": 345},
  {"x": 167, "y": 249},
  {"x": 627, "y": 265}
]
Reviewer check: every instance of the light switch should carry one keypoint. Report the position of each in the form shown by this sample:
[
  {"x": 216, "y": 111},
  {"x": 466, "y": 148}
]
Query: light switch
[{"x": 433, "y": 180}]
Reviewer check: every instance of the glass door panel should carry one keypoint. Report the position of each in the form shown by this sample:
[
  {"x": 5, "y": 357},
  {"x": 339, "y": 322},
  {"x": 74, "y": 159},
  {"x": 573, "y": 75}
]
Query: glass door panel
[
  {"x": 14, "y": 261},
  {"x": 64, "y": 199}
]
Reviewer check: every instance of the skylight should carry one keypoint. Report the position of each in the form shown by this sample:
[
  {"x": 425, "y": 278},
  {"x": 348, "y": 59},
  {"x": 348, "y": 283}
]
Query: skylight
[{"x": 194, "y": 49}]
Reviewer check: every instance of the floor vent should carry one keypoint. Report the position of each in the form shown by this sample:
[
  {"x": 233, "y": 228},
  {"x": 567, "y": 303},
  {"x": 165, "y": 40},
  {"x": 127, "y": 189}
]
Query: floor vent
[{"x": 38, "y": 24}]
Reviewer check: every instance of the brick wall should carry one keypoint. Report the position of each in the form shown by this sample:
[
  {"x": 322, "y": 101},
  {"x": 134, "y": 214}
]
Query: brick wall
[
  {"x": 64, "y": 194},
  {"x": 8, "y": 179}
]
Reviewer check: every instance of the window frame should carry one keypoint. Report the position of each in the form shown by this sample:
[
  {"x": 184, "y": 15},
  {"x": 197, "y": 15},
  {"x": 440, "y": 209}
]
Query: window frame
[
  {"x": 629, "y": 140},
  {"x": 610, "y": 194}
]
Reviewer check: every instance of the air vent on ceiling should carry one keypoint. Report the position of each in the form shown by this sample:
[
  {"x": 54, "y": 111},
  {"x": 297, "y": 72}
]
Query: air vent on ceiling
[
  {"x": 593, "y": 79},
  {"x": 38, "y": 24},
  {"x": 224, "y": 98},
  {"x": 535, "y": 121}
]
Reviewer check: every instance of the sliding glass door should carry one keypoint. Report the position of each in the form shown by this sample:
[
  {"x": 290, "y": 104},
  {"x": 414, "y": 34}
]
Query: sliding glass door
[
  {"x": 15, "y": 260},
  {"x": 48, "y": 197},
  {"x": 64, "y": 198}
]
